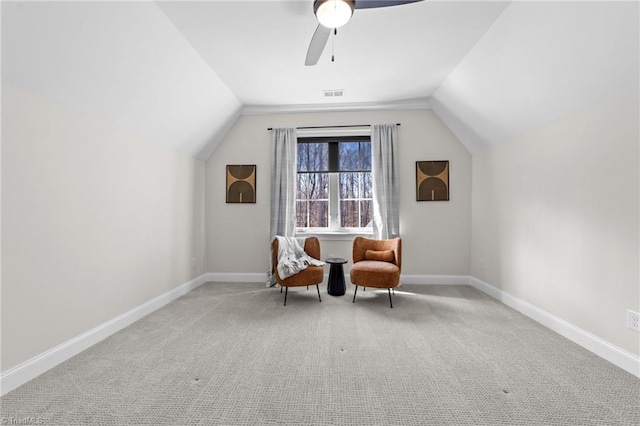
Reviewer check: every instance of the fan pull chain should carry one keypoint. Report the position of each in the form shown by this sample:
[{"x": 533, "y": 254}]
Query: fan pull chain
[{"x": 335, "y": 33}]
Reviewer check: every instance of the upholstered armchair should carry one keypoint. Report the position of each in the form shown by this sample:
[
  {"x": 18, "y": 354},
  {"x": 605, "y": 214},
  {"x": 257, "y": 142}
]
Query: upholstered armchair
[
  {"x": 312, "y": 275},
  {"x": 376, "y": 263}
]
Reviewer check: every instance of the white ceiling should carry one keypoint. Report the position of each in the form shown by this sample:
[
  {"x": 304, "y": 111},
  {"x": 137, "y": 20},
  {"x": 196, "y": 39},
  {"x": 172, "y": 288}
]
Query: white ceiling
[
  {"x": 180, "y": 73},
  {"x": 385, "y": 54}
]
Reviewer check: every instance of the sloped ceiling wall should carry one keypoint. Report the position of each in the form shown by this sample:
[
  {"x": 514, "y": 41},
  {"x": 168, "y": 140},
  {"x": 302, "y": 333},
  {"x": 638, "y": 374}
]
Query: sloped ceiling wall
[
  {"x": 540, "y": 61},
  {"x": 124, "y": 63}
]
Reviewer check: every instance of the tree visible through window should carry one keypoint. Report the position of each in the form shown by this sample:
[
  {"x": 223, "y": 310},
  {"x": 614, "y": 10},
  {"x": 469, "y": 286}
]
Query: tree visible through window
[{"x": 334, "y": 183}]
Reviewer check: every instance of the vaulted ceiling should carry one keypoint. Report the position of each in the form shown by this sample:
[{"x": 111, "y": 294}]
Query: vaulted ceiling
[{"x": 180, "y": 73}]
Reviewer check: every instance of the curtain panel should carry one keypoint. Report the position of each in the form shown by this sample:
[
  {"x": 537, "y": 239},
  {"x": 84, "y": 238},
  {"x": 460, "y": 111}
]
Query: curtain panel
[
  {"x": 283, "y": 187},
  {"x": 384, "y": 176}
]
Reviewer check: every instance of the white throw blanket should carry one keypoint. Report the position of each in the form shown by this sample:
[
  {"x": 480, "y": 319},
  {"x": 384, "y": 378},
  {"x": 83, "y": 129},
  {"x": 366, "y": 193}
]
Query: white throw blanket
[{"x": 292, "y": 258}]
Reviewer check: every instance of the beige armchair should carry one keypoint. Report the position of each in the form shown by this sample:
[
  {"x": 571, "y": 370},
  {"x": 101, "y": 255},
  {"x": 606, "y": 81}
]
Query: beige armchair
[
  {"x": 312, "y": 275},
  {"x": 376, "y": 263}
]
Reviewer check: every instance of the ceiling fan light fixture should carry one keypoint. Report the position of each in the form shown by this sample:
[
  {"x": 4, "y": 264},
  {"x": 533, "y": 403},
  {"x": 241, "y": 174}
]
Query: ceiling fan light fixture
[{"x": 333, "y": 13}]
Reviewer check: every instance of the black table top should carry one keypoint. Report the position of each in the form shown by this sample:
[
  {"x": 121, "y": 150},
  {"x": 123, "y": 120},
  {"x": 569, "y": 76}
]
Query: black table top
[{"x": 338, "y": 260}]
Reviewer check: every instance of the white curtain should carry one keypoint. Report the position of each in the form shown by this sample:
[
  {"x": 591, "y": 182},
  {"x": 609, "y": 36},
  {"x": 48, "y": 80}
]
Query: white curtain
[
  {"x": 283, "y": 187},
  {"x": 384, "y": 174}
]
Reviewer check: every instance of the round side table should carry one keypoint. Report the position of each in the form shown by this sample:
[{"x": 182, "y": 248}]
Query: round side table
[{"x": 336, "y": 285}]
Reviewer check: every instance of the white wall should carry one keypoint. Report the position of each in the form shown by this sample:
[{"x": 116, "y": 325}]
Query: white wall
[
  {"x": 540, "y": 61},
  {"x": 94, "y": 223},
  {"x": 556, "y": 219},
  {"x": 435, "y": 235}
]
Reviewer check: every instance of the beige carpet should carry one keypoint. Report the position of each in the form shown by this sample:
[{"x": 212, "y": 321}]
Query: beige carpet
[{"x": 232, "y": 354}]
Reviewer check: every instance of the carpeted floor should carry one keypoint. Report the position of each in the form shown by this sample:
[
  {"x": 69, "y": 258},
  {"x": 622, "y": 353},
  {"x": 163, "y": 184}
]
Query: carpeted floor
[{"x": 232, "y": 354}]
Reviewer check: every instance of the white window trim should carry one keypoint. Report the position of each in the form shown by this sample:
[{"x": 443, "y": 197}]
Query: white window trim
[
  {"x": 334, "y": 131},
  {"x": 334, "y": 202}
]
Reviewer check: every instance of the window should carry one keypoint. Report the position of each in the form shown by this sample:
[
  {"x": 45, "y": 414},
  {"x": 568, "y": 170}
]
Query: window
[{"x": 333, "y": 189}]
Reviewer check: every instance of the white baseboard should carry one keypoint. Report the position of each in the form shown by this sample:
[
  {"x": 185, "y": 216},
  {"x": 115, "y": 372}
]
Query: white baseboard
[
  {"x": 232, "y": 277},
  {"x": 37, "y": 365},
  {"x": 615, "y": 355},
  {"x": 435, "y": 279},
  {"x": 422, "y": 279}
]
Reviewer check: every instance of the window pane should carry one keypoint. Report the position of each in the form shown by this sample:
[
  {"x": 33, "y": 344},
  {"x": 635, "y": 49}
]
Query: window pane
[
  {"x": 349, "y": 185},
  {"x": 366, "y": 212},
  {"x": 301, "y": 214},
  {"x": 320, "y": 186},
  {"x": 312, "y": 186},
  {"x": 319, "y": 214},
  {"x": 367, "y": 185},
  {"x": 349, "y": 214},
  {"x": 348, "y": 155},
  {"x": 303, "y": 157},
  {"x": 301, "y": 184},
  {"x": 313, "y": 157},
  {"x": 366, "y": 156},
  {"x": 355, "y": 199},
  {"x": 318, "y": 156},
  {"x": 354, "y": 156}
]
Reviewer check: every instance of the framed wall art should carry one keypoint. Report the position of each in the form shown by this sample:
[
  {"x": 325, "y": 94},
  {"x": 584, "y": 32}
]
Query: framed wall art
[
  {"x": 432, "y": 180},
  {"x": 241, "y": 183}
]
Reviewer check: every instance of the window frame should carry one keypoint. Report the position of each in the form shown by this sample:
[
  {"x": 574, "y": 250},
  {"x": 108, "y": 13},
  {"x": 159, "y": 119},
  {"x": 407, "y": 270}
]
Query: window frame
[{"x": 334, "y": 171}]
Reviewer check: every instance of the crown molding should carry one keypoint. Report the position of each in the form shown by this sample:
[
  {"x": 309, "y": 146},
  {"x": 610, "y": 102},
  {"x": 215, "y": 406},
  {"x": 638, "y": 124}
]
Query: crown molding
[{"x": 422, "y": 103}]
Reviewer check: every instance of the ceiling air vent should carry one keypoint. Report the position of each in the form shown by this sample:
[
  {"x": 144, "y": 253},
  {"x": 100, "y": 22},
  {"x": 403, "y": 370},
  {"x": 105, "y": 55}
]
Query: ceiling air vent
[{"x": 333, "y": 93}]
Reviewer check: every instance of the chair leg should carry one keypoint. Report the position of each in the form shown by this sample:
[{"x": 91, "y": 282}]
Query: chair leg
[
  {"x": 354, "y": 295},
  {"x": 317, "y": 288},
  {"x": 390, "y": 302},
  {"x": 364, "y": 289},
  {"x": 307, "y": 287},
  {"x": 393, "y": 290},
  {"x": 286, "y": 290},
  {"x": 280, "y": 289}
]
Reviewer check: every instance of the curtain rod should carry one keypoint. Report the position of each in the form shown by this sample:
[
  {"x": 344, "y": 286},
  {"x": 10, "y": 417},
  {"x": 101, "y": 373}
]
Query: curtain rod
[{"x": 332, "y": 127}]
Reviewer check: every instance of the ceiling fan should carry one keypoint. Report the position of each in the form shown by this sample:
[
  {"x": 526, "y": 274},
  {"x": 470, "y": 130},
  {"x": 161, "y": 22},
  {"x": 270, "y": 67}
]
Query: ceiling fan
[{"x": 333, "y": 14}]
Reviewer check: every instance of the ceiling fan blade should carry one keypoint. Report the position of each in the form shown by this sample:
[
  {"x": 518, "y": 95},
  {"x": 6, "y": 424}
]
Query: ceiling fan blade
[
  {"x": 318, "y": 42},
  {"x": 370, "y": 4}
]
